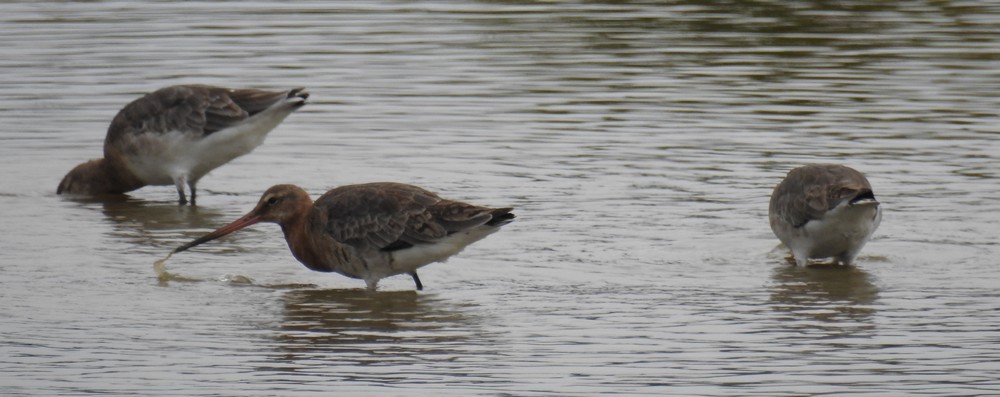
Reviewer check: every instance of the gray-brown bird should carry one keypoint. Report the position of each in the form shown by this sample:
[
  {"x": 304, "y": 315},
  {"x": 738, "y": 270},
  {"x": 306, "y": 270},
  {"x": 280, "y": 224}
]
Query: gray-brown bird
[
  {"x": 177, "y": 134},
  {"x": 824, "y": 211},
  {"x": 369, "y": 231}
]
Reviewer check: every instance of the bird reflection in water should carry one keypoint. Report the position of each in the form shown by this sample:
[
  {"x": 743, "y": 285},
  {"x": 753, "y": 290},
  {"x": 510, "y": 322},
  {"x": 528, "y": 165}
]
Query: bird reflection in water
[
  {"x": 317, "y": 319},
  {"x": 147, "y": 223},
  {"x": 341, "y": 334},
  {"x": 831, "y": 299}
]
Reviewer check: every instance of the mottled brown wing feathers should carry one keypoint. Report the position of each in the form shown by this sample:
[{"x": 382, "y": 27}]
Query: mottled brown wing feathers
[
  {"x": 390, "y": 216},
  {"x": 809, "y": 191},
  {"x": 421, "y": 228},
  {"x": 256, "y": 101},
  {"x": 219, "y": 112},
  {"x": 374, "y": 215},
  {"x": 455, "y": 216},
  {"x": 195, "y": 109}
]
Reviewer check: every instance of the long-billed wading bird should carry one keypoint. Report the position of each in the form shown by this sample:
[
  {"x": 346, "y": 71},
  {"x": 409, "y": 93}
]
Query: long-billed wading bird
[
  {"x": 177, "y": 134},
  {"x": 369, "y": 231},
  {"x": 824, "y": 211}
]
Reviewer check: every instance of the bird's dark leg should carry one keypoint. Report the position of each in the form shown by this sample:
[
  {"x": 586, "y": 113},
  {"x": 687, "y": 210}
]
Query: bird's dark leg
[
  {"x": 179, "y": 182},
  {"x": 191, "y": 185},
  {"x": 416, "y": 279}
]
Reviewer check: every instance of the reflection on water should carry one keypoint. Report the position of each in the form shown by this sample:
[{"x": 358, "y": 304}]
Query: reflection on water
[
  {"x": 154, "y": 224},
  {"x": 639, "y": 142},
  {"x": 824, "y": 283},
  {"x": 155, "y": 228},
  {"x": 323, "y": 319},
  {"x": 830, "y": 299},
  {"x": 335, "y": 334}
]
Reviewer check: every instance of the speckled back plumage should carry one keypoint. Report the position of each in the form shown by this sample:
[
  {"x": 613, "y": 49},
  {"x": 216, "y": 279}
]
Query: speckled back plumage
[
  {"x": 199, "y": 110},
  {"x": 809, "y": 191},
  {"x": 388, "y": 216},
  {"x": 823, "y": 211}
]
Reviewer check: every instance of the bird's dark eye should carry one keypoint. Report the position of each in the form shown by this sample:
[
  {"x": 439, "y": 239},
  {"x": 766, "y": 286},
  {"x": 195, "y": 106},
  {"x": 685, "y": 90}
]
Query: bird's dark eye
[{"x": 272, "y": 201}]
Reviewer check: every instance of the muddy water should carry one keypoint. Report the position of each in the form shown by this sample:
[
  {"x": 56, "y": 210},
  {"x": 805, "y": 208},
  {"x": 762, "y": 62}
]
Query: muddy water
[{"x": 638, "y": 142}]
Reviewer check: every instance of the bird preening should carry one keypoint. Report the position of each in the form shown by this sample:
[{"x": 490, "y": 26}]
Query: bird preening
[
  {"x": 824, "y": 211},
  {"x": 369, "y": 231},
  {"x": 177, "y": 134}
]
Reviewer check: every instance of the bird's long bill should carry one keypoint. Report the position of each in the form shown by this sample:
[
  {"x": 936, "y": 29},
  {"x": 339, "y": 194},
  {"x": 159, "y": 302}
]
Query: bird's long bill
[{"x": 246, "y": 220}]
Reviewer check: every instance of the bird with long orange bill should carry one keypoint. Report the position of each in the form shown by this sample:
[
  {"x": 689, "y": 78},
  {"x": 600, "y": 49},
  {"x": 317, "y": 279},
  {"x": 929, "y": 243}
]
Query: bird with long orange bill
[{"x": 369, "y": 231}]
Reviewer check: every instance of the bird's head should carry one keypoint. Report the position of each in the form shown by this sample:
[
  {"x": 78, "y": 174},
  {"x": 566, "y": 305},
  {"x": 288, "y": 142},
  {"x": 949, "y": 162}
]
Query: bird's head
[{"x": 279, "y": 204}]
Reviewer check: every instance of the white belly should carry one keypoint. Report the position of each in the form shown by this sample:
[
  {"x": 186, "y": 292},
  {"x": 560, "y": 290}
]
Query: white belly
[
  {"x": 410, "y": 259},
  {"x": 842, "y": 232},
  {"x": 163, "y": 158}
]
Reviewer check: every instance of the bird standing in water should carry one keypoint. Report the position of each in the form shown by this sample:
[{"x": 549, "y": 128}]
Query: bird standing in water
[
  {"x": 823, "y": 211},
  {"x": 177, "y": 134},
  {"x": 369, "y": 231}
]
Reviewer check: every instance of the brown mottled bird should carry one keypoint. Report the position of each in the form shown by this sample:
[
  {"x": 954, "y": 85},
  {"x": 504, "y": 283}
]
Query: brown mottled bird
[
  {"x": 177, "y": 134},
  {"x": 369, "y": 231},
  {"x": 823, "y": 211}
]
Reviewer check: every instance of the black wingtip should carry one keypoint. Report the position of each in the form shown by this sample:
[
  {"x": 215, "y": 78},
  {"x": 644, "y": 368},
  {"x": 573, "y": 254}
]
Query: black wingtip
[
  {"x": 865, "y": 195},
  {"x": 501, "y": 216},
  {"x": 298, "y": 92}
]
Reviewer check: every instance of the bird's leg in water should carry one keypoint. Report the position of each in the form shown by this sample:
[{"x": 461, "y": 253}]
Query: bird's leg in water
[{"x": 416, "y": 279}]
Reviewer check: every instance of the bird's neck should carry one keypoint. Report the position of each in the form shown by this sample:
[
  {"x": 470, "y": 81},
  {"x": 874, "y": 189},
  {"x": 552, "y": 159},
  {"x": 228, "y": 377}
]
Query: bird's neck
[
  {"x": 101, "y": 176},
  {"x": 294, "y": 226},
  {"x": 119, "y": 178},
  {"x": 299, "y": 239}
]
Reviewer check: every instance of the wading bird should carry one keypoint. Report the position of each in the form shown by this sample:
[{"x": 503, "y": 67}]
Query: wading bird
[
  {"x": 824, "y": 211},
  {"x": 177, "y": 134},
  {"x": 369, "y": 231}
]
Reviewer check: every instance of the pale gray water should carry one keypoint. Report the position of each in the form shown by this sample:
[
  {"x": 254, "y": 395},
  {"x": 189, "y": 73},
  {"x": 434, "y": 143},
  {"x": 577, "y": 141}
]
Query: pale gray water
[{"x": 638, "y": 141}]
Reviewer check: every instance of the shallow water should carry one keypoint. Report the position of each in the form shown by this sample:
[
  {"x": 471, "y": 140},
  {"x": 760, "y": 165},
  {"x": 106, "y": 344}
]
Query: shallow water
[{"x": 638, "y": 143}]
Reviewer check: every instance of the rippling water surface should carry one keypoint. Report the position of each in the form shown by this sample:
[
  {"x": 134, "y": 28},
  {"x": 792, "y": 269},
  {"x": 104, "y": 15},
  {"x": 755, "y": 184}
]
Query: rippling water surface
[{"x": 638, "y": 141}]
